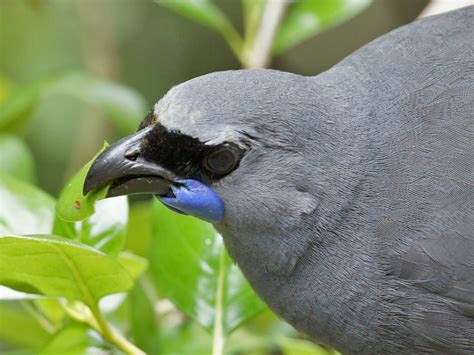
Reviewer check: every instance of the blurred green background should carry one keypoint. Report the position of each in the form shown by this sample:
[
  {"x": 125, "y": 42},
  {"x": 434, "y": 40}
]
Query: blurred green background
[
  {"x": 146, "y": 47},
  {"x": 74, "y": 73}
]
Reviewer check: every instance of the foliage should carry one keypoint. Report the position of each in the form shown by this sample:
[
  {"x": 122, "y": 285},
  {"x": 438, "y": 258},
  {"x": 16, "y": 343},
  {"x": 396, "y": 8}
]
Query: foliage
[
  {"x": 123, "y": 105},
  {"x": 304, "y": 19},
  {"x": 80, "y": 275}
]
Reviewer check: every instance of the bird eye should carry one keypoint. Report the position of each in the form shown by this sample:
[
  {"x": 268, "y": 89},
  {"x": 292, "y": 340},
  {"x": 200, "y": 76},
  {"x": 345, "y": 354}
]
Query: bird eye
[{"x": 220, "y": 162}]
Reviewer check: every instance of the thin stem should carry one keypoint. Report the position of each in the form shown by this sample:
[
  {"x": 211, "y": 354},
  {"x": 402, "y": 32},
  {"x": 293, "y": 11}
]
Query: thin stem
[
  {"x": 257, "y": 54},
  {"x": 93, "y": 317},
  {"x": 110, "y": 335},
  {"x": 218, "y": 338}
]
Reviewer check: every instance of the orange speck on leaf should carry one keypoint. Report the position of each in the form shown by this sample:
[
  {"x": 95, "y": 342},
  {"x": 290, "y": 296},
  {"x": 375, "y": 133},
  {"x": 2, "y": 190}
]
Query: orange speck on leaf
[{"x": 77, "y": 205}]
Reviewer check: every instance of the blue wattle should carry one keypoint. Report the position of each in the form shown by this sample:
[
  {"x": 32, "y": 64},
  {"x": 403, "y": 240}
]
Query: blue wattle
[{"x": 194, "y": 198}]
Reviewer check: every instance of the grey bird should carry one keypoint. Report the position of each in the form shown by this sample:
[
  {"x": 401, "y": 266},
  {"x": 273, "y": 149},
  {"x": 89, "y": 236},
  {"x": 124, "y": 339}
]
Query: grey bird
[{"x": 347, "y": 199}]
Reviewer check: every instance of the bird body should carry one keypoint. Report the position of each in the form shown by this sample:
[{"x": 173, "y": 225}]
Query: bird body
[
  {"x": 350, "y": 205},
  {"x": 383, "y": 260}
]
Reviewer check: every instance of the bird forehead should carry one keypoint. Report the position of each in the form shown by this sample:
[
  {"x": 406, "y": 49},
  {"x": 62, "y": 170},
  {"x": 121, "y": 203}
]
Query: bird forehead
[{"x": 194, "y": 122}]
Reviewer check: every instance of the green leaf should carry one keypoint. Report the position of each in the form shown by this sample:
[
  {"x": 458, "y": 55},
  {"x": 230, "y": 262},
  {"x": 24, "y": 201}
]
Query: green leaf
[
  {"x": 56, "y": 267},
  {"x": 135, "y": 265},
  {"x": 124, "y": 106},
  {"x": 206, "y": 13},
  {"x": 72, "y": 340},
  {"x": 51, "y": 308},
  {"x": 191, "y": 267},
  {"x": 144, "y": 323},
  {"x": 307, "y": 18},
  {"x": 139, "y": 228},
  {"x": 19, "y": 328},
  {"x": 24, "y": 209},
  {"x": 72, "y": 205},
  {"x": 17, "y": 159},
  {"x": 291, "y": 346},
  {"x": 106, "y": 229},
  {"x": 17, "y": 107}
]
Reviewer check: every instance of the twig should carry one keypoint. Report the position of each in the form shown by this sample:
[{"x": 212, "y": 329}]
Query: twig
[
  {"x": 439, "y": 6},
  {"x": 218, "y": 338},
  {"x": 93, "y": 317},
  {"x": 258, "y": 53},
  {"x": 110, "y": 335}
]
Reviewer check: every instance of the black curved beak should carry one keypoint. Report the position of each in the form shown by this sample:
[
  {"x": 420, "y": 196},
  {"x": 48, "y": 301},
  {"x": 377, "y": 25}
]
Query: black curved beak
[{"x": 122, "y": 165}]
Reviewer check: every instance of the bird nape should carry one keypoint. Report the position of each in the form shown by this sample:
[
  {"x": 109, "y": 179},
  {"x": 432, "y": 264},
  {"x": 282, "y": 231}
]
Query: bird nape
[{"x": 347, "y": 199}]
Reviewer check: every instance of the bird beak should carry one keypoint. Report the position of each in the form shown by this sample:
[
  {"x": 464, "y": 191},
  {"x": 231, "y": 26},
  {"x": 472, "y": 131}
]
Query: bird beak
[{"x": 123, "y": 167}]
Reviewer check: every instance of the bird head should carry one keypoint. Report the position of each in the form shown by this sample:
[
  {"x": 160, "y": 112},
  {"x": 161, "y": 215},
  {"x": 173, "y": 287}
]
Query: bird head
[{"x": 225, "y": 147}]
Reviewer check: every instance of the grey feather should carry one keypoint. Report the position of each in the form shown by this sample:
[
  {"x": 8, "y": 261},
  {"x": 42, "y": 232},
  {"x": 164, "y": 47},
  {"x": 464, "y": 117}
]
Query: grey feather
[{"x": 352, "y": 213}]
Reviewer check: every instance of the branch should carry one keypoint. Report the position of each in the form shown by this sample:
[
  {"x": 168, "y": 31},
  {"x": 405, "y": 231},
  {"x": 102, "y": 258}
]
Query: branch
[{"x": 259, "y": 52}]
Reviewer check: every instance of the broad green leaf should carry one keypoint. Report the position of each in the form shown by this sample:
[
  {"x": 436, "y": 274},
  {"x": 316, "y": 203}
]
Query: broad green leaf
[
  {"x": 191, "y": 267},
  {"x": 105, "y": 230},
  {"x": 24, "y": 209},
  {"x": 19, "y": 328},
  {"x": 307, "y": 18},
  {"x": 106, "y": 227},
  {"x": 206, "y": 13},
  {"x": 187, "y": 339},
  {"x": 72, "y": 205},
  {"x": 124, "y": 106},
  {"x": 139, "y": 228},
  {"x": 16, "y": 159},
  {"x": 135, "y": 265},
  {"x": 144, "y": 322},
  {"x": 72, "y": 340},
  {"x": 16, "y": 108},
  {"x": 291, "y": 346},
  {"x": 5, "y": 88},
  {"x": 51, "y": 308},
  {"x": 57, "y": 267}
]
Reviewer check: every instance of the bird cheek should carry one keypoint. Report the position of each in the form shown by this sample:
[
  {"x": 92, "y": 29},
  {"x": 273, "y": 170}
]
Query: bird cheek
[{"x": 195, "y": 198}]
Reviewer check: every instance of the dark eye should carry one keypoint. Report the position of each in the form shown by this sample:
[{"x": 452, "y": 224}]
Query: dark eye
[{"x": 221, "y": 161}]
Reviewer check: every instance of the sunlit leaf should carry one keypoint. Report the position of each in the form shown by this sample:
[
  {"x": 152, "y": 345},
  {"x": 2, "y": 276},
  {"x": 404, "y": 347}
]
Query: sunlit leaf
[
  {"x": 135, "y": 265},
  {"x": 106, "y": 228},
  {"x": 72, "y": 340},
  {"x": 57, "y": 267},
  {"x": 101, "y": 224},
  {"x": 72, "y": 205},
  {"x": 18, "y": 327},
  {"x": 16, "y": 159},
  {"x": 307, "y": 18},
  {"x": 191, "y": 267},
  {"x": 51, "y": 308},
  {"x": 24, "y": 209},
  {"x": 206, "y": 13},
  {"x": 124, "y": 106}
]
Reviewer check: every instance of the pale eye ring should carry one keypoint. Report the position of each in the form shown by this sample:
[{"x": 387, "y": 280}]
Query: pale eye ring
[{"x": 221, "y": 161}]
